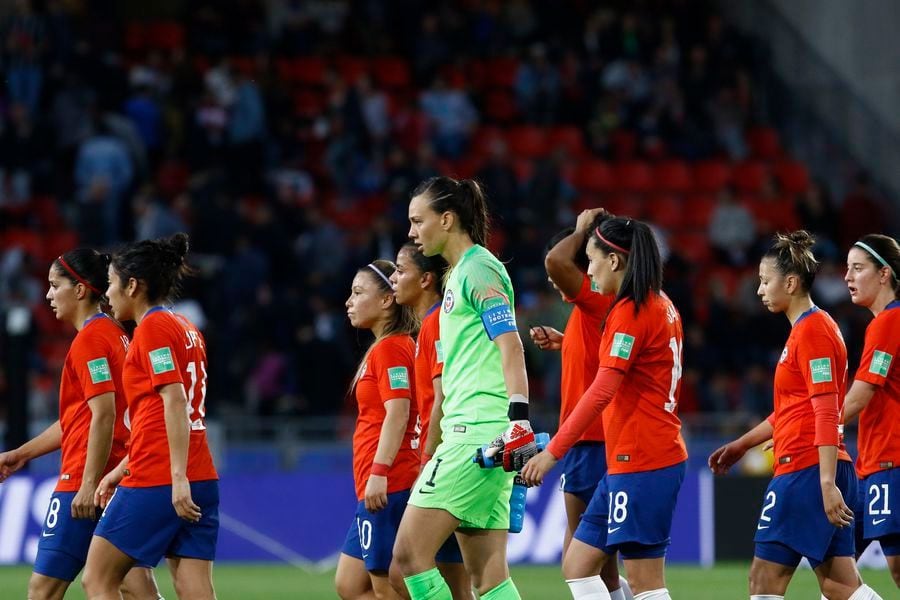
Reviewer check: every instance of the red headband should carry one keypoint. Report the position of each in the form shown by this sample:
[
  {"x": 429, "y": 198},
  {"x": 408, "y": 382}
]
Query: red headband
[
  {"x": 609, "y": 243},
  {"x": 78, "y": 277}
]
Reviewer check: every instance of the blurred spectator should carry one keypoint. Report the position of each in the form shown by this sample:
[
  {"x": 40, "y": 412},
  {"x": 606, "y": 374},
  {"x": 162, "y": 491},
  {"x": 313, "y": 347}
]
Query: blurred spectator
[
  {"x": 731, "y": 229},
  {"x": 451, "y": 116},
  {"x": 103, "y": 172},
  {"x": 24, "y": 36},
  {"x": 859, "y": 211},
  {"x": 538, "y": 87}
]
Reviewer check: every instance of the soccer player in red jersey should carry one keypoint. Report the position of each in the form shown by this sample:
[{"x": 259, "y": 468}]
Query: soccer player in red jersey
[
  {"x": 167, "y": 499},
  {"x": 636, "y": 388},
  {"x": 418, "y": 283},
  {"x": 804, "y": 513},
  {"x": 385, "y": 444},
  {"x": 585, "y": 464},
  {"x": 873, "y": 277},
  {"x": 90, "y": 431}
]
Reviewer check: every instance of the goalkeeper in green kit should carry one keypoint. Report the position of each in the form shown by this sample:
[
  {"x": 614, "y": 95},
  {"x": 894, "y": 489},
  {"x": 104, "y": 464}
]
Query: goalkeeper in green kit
[{"x": 485, "y": 398}]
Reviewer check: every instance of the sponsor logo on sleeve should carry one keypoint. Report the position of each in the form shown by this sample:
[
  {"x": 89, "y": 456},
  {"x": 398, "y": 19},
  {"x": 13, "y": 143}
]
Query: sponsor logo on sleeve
[
  {"x": 622, "y": 345},
  {"x": 99, "y": 370},
  {"x": 161, "y": 360},
  {"x": 439, "y": 351},
  {"x": 881, "y": 363},
  {"x": 398, "y": 378},
  {"x": 820, "y": 370}
]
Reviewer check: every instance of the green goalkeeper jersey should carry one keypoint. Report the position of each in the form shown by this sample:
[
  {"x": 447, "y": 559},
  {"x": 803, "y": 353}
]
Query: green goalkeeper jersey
[{"x": 477, "y": 307}]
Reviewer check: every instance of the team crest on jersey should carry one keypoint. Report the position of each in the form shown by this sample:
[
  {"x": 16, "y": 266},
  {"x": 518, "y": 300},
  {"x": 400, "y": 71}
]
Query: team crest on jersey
[
  {"x": 448, "y": 301},
  {"x": 784, "y": 355}
]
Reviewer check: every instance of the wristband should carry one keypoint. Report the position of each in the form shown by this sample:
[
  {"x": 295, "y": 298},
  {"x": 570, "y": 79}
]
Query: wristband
[
  {"x": 380, "y": 469},
  {"x": 518, "y": 408}
]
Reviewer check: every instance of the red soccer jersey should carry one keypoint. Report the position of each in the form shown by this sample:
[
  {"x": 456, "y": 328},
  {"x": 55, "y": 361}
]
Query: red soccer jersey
[
  {"x": 166, "y": 348},
  {"x": 93, "y": 367},
  {"x": 879, "y": 422},
  {"x": 429, "y": 365},
  {"x": 385, "y": 376},
  {"x": 580, "y": 348},
  {"x": 643, "y": 432},
  {"x": 813, "y": 363}
]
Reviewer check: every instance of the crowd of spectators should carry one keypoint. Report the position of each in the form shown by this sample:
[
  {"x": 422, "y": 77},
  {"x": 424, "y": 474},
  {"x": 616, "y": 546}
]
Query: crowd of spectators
[{"x": 285, "y": 137}]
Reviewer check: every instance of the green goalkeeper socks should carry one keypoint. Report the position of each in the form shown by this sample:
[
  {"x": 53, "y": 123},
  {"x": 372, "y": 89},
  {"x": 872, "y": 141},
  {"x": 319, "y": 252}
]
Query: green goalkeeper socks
[
  {"x": 505, "y": 591},
  {"x": 429, "y": 586}
]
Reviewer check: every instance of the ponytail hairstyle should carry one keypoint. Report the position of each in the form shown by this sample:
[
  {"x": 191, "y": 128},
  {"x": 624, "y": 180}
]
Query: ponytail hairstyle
[
  {"x": 436, "y": 265},
  {"x": 463, "y": 197},
  {"x": 888, "y": 251},
  {"x": 793, "y": 255},
  {"x": 87, "y": 267},
  {"x": 635, "y": 244},
  {"x": 159, "y": 263}
]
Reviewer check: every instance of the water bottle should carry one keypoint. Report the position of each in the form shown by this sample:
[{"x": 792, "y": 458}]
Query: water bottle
[
  {"x": 489, "y": 462},
  {"x": 517, "y": 504}
]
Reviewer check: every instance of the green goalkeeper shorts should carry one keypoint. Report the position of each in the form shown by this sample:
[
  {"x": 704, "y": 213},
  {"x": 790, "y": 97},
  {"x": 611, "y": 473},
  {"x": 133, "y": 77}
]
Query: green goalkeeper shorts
[{"x": 450, "y": 481}]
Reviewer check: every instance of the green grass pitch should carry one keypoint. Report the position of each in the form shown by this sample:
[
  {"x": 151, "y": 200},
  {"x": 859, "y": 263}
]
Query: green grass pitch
[{"x": 275, "y": 582}]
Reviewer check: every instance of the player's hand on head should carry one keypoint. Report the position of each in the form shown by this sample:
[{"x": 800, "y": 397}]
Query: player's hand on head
[
  {"x": 837, "y": 511},
  {"x": 535, "y": 469},
  {"x": 376, "y": 493},
  {"x": 83, "y": 503},
  {"x": 182, "y": 501},
  {"x": 586, "y": 217}
]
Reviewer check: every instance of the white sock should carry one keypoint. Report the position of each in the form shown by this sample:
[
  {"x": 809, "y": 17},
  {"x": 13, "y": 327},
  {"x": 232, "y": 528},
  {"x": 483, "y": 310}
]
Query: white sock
[
  {"x": 617, "y": 594},
  {"x": 864, "y": 592},
  {"x": 627, "y": 594},
  {"x": 588, "y": 588},
  {"x": 766, "y": 597},
  {"x": 660, "y": 594}
]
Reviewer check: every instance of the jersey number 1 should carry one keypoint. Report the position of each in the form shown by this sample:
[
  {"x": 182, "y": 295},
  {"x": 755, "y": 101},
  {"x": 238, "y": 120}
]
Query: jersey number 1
[{"x": 675, "y": 346}]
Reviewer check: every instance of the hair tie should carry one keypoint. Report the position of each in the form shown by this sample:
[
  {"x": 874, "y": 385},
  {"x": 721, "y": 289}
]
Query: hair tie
[
  {"x": 78, "y": 277},
  {"x": 609, "y": 243},
  {"x": 877, "y": 256},
  {"x": 380, "y": 274}
]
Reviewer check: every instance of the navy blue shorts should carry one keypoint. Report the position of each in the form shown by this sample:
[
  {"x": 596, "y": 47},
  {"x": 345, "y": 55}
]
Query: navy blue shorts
[
  {"x": 371, "y": 535},
  {"x": 631, "y": 513},
  {"x": 142, "y": 523},
  {"x": 583, "y": 466},
  {"x": 880, "y": 514},
  {"x": 63, "y": 547},
  {"x": 792, "y": 523}
]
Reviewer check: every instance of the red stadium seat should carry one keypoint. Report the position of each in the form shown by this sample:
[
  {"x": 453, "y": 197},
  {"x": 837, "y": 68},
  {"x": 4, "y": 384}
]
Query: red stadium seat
[
  {"x": 673, "y": 176},
  {"x": 594, "y": 176},
  {"x": 27, "y": 240},
  {"x": 624, "y": 144},
  {"x": 467, "y": 167},
  {"x": 749, "y": 176},
  {"x": 391, "y": 72},
  {"x": 711, "y": 175},
  {"x": 665, "y": 210},
  {"x": 764, "y": 143},
  {"x": 135, "y": 36},
  {"x": 624, "y": 205},
  {"x": 524, "y": 169},
  {"x": 165, "y": 35},
  {"x": 501, "y": 72},
  {"x": 309, "y": 103},
  {"x": 454, "y": 76},
  {"x": 351, "y": 68},
  {"x": 693, "y": 246},
  {"x": 567, "y": 137},
  {"x": 308, "y": 70},
  {"x": 483, "y": 138},
  {"x": 698, "y": 211},
  {"x": 527, "y": 141},
  {"x": 792, "y": 175},
  {"x": 500, "y": 107},
  {"x": 634, "y": 176}
]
